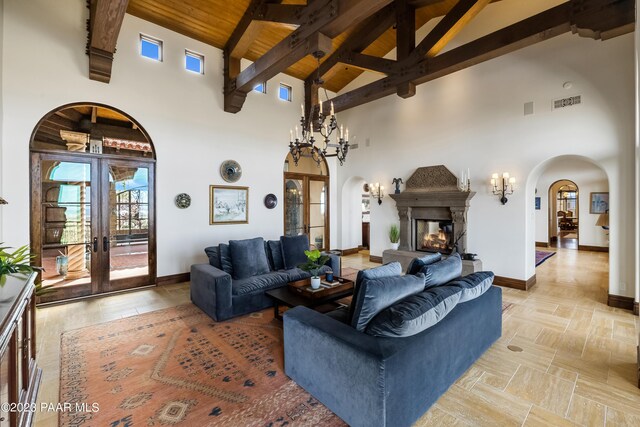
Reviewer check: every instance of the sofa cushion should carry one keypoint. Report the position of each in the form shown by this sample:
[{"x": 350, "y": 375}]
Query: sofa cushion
[
  {"x": 374, "y": 295},
  {"x": 473, "y": 285},
  {"x": 225, "y": 258},
  {"x": 248, "y": 258},
  {"x": 295, "y": 274},
  {"x": 391, "y": 269},
  {"x": 214, "y": 256},
  {"x": 415, "y": 313},
  {"x": 341, "y": 314},
  {"x": 293, "y": 248},
  {"x": 260, "y": 283},
  {"x": 442, "y": 272},
  {"x": 275, "y": 254},
  {"x": 416, "y": 264}
]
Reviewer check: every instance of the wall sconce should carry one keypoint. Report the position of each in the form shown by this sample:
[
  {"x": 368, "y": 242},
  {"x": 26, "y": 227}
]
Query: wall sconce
[
  {"x": 377, "y": 191},
  {"x": 502, "y": 186}
]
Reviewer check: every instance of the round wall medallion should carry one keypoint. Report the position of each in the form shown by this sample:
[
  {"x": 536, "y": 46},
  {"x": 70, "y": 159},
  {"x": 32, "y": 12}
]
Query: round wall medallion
[
  {"x": 270, "y": 201},
  {"x": 183, "y": 200},
  {"x": 230, "y": 170}
]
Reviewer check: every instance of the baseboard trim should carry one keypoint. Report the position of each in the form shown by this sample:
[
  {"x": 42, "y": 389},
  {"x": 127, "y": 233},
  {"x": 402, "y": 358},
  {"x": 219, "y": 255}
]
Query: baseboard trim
[
  {"x": 542, "y": 244},
  {"x": 593, "y": 248},
  {"x": 377, "y": 259},
  {"x": 351, "y": 251},
  {"x": 636, "y": 311},
  {"x": 508, "y": 282},
  {"x": 172, "y": 279},
  {"x": 619, "y": 301}
]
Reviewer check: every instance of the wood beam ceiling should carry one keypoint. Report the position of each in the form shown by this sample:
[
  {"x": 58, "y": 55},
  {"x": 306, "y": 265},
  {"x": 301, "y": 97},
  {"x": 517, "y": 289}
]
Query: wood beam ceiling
[
  {"x": 589, "y": 18},
  {"x": 320, "y": 21},
  {"x": 105, "y": 21}
]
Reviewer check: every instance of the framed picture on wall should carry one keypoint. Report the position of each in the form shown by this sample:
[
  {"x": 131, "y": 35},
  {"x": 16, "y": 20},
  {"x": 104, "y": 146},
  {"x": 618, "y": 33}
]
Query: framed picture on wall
[
  {"x": 599, "y": 203},
  {"x": 538, "y": 203},
  {"x": 228, "y": 204}
]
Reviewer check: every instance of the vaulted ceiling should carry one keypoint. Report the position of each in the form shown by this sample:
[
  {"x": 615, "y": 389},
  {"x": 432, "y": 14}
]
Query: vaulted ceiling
[{"x": 353, "y": 35}]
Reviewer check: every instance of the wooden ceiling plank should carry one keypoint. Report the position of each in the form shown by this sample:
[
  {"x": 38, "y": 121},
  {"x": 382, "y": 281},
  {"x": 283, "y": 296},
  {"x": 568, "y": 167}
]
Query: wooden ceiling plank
[
  {"x": 69, "y": 113},
  {"x": 245, "y": 32},
  {"x": 352, "y": 12},
  {"x": 106, "y": 18},
  {"x": 540, "y": 27},
  {"x": 448, "y": 27}
]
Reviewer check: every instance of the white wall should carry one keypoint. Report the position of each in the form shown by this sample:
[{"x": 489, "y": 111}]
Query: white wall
[
  {"x": 45, "y": 66},
  {"x": 1, "y": 100},
  {"x": 589, "y": 178},
  {"x": 351, "y": 219},
  {"x": 474, "y": 119}
]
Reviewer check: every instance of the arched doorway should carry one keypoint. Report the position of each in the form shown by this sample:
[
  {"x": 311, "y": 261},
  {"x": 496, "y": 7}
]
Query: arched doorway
[
  {"x": 306, "y": 200},
  {"x": 92, "y": 201},
  {"x": 564, "y": 214}
]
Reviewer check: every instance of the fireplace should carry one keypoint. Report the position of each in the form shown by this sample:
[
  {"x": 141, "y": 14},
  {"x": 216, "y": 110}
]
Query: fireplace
[{"x": 434, "y": 235}]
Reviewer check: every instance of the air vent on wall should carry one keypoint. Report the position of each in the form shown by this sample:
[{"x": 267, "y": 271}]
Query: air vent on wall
[{"x": 567, "y": 102}]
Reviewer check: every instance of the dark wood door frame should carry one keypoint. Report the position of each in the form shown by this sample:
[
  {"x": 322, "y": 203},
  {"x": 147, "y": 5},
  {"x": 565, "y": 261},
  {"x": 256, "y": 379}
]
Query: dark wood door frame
[
  {"x": 100, "y": 276},
  {"x": 306, "y": 179}
]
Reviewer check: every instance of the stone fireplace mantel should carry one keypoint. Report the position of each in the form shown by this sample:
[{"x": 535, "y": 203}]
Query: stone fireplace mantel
[{"x": 432, "y": 193}]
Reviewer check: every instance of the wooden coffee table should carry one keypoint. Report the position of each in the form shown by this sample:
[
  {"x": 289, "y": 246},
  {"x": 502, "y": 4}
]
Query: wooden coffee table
[{"x": 295, "y": 294}]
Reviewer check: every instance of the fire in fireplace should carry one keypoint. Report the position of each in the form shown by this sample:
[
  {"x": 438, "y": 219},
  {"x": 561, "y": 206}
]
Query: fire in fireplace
[{"x": 434, "y": 235}]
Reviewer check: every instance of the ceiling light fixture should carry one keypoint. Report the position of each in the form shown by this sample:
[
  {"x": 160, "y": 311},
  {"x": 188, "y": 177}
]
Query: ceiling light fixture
[{"x": 305, "y": 145}]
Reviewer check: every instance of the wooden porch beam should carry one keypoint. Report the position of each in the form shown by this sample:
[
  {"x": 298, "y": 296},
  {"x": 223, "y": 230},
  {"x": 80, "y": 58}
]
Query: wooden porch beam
[{"x": 105, "y": 21}]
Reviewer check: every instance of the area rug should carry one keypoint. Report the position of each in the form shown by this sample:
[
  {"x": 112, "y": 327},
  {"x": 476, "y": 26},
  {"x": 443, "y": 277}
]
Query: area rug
[
  {"x": 542, "y": 256},
  {"x": 178, "y": 367}
]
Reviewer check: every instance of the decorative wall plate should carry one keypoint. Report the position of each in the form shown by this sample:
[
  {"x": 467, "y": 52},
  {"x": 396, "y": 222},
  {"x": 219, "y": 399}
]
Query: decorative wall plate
[
  {"x": 270, "y": 201},
  {"x": 183, "y": 200},
  {"x": 230, "y": 170}
]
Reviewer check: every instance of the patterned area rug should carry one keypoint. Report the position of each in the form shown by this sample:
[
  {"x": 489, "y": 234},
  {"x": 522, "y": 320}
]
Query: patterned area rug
[
  {"x": 178, "y": 367},
  {"x": 542, "y": 256}
]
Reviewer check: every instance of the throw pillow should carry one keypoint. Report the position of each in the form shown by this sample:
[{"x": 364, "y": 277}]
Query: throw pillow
[
  {"x": 293, "y": 250},
  {"x": 473, "y": 285},
  {"x": 214, "y": 257},
  {"x": 248, "y": 258},
  {"x": 275, "y": 252},
  {"x": 375, "y": 295},
  {"x": 415, "y": 313},
  {"x": 225, "y": 258},
  {"x": 391, "y": 269},
  {"x": 417, "y": 263},
  {"x": 442, "y": 272}
]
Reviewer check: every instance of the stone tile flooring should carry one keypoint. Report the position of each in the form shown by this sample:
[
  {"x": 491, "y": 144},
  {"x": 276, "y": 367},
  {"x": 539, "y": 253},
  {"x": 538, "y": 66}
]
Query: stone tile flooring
[{"x": 577, "y": 365}]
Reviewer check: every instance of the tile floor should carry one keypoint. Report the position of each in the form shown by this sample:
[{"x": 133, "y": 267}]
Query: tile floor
[{"x": 577, "y": 365}]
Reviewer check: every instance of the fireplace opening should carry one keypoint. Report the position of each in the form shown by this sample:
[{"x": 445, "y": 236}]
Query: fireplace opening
[{"x": 434, "y": 235}]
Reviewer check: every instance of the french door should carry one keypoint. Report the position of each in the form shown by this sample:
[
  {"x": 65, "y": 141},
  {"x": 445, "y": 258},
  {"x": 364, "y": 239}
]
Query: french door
[
  {"x": 92, "y": 223},
  {"x": 306, "y": 208}
]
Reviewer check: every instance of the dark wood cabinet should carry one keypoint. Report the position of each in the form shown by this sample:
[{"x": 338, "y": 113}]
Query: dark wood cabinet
[
  {"x": 19, "y": 375},
  {"x": 365, "y": 235}
]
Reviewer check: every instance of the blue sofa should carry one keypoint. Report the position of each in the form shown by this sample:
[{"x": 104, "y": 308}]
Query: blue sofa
[
  {"x": 217, "y": 289},
  {"x": 389, "y": 381}
]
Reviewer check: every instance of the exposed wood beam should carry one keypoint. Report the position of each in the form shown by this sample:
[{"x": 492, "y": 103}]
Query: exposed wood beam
[
  {"x": 283, "y": 13},
  {"x": 422, "y": 3},
  {"x": 364, "y": 34},
  {"x": 333, "y": 16},
  {"x": 105, "y": 21},
  {"x": 369, "y": 62},
  {"x": 448, "y": 27},
  {"x": 120, "y": 132},
  {"x": 540, "y": 27},
  {"x": 405, "y": 41},
  {"x": 245, "y": 32}
]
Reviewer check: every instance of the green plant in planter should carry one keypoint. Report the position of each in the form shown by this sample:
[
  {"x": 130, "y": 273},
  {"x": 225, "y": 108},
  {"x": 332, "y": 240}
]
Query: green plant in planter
[
  {"x": 394, "y": 234},
  {"x": 19, "y": 262},
  {"x": 315, "y": 261}
]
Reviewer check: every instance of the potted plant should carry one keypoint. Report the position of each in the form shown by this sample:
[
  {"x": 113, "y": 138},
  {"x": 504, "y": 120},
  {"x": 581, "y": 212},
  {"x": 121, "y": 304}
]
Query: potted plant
[
  {"x": 394, "y": 236},
  {"x": 19, "y": 262},
  {"x": 315, "y": 261}
]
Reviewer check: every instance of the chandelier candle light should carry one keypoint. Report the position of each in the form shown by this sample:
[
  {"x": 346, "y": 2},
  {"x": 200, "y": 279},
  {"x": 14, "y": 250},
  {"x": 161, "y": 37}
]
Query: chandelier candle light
[
  {"x": 305, "y": 145},
  {"x": 502, "y": 186}
]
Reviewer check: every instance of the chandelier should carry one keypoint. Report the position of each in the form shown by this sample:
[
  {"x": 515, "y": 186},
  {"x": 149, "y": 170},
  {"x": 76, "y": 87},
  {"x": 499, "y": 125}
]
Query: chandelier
[{"x": 305, "y": 145}]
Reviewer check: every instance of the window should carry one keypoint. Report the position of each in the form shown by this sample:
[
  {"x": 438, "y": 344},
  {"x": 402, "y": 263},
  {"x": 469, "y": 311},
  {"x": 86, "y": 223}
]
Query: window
[
  {"x": 194, "y": 62},
  {"x": 285, "y": 92},
  {"x": 262, "y": 88},
  {"x": 150, "y": 48}
]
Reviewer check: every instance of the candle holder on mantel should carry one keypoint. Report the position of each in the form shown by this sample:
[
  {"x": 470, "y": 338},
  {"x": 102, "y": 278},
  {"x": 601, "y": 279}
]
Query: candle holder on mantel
[{"x": 464, "y": 182}]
